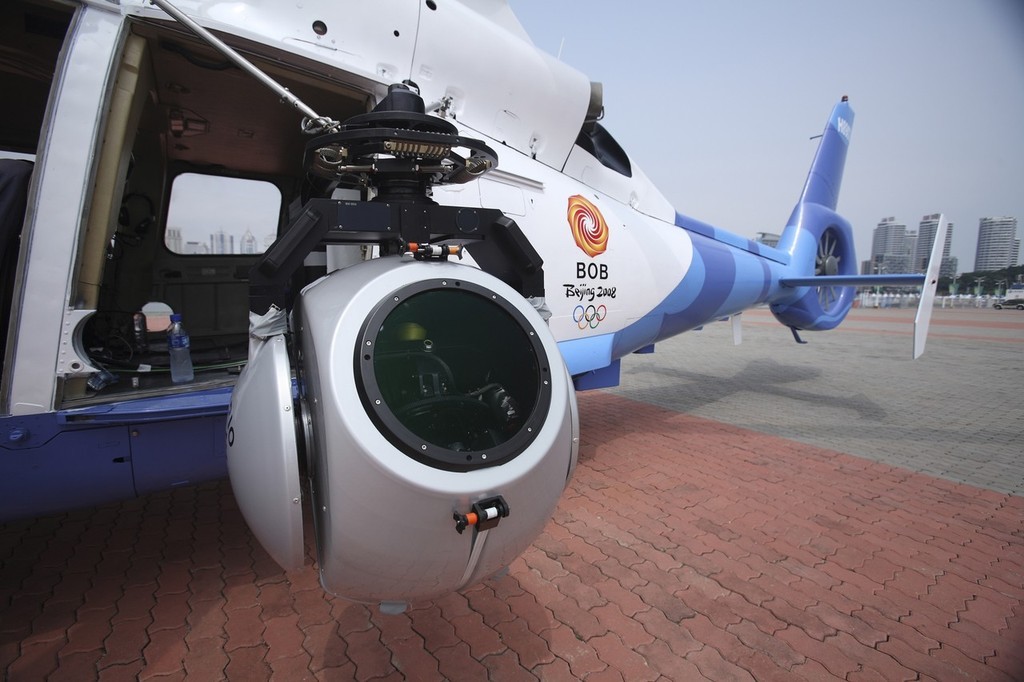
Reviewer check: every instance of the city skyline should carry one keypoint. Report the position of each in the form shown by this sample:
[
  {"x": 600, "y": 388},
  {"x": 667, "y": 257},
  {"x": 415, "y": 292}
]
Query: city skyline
[
  {"x": 897, "y": 248},
  {"x": 220, "y": 242}
]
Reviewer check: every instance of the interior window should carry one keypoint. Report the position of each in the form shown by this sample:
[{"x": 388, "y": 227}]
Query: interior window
[{"x": 217, "y": 215}]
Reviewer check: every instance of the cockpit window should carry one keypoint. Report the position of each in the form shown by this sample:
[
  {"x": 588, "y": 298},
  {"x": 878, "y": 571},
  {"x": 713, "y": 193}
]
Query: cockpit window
[
  {"x": 454, "y": 375},
  {"x": 218, "y": 215}
]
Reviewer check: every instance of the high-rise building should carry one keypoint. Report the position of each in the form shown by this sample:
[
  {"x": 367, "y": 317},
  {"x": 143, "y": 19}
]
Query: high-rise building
[
  {"x": 909, "y": 249},
  {"x": 173, "y": 239},
  {"x": 248, "y": 244},
  {"x": 998, "y": 245},
  {"x": 889, "y": 247},
  {"x": 222, "y": 243},
  {"x": 926, "y": 230}
]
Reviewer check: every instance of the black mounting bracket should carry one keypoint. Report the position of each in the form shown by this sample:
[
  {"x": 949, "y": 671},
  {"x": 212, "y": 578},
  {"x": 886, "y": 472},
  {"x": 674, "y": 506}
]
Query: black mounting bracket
[
  {"x": 493, "y": 239},
  {"x": 402, "y": 152}
]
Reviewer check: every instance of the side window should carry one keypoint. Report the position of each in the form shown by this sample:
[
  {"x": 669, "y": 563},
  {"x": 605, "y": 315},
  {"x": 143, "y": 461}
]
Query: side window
[{"x": 217, "y": 215}]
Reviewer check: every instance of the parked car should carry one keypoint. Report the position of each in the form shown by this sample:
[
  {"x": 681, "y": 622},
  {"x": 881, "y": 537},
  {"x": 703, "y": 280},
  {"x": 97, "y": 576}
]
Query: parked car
[{"x": 1017, "y": 303}]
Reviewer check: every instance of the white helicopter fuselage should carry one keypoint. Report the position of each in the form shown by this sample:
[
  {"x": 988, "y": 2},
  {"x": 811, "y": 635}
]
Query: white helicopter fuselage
[{"x": 129, "y": 102}]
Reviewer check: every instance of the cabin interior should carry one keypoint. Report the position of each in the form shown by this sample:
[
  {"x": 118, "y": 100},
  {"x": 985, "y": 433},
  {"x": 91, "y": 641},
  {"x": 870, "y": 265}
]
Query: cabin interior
[{"x": 198, "y": 167}]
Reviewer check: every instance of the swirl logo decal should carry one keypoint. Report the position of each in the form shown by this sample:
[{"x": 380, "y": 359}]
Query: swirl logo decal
[
  {"x": 588, "y": 226},
  {"x": 590, "y": 316}
]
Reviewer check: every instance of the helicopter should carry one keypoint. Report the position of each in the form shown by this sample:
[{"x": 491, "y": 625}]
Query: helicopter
[{"x": 396, "y": 264}]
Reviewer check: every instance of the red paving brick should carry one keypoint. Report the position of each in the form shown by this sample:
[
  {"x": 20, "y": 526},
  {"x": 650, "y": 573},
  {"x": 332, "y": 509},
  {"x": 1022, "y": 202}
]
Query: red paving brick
[{"x": 684, "y": 548}]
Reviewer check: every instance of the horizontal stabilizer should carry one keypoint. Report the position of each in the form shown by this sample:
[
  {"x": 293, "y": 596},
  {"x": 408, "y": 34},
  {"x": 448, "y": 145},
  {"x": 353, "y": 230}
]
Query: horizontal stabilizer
[{"x": 853, "y": 281}]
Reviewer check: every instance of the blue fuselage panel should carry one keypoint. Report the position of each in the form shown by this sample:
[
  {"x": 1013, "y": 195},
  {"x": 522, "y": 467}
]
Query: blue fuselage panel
[{"x": 57, "y": 461}]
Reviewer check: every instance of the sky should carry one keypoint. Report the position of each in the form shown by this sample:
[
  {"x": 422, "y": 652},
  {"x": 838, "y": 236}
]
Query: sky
[{"x": 717, "y": 102}]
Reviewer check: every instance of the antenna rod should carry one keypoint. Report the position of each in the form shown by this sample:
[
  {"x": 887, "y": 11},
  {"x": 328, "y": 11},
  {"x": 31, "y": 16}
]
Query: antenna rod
[{"x": 243, "y": 63}]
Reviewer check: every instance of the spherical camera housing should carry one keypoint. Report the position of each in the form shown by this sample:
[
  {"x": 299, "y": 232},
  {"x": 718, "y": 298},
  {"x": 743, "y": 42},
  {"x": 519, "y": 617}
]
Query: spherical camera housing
[{"x": 429, "y": 387}]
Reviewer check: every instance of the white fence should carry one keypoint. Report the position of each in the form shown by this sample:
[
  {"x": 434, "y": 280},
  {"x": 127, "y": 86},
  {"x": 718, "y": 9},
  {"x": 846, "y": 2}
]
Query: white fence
[{"x": 869, "y": 300}]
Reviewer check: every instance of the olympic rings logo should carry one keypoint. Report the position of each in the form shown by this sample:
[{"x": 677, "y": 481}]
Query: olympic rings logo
[{"x": 589, "y": 316}]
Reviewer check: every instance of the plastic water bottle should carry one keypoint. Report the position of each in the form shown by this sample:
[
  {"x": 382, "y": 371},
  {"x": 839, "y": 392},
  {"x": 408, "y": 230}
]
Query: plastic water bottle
[{"x": 181, "y": 356}]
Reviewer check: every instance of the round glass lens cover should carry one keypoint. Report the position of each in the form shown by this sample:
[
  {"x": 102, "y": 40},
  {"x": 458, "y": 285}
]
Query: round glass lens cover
[{"x": 455, "y": 375}]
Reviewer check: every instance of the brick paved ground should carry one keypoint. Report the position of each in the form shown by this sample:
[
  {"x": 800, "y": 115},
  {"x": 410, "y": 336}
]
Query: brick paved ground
[{"x": 686, "y": 548}]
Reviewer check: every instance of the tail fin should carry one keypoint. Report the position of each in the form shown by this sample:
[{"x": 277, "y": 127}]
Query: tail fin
[
  {"x": 826, "y": 175},
  {"x": 818, "y": 240}
]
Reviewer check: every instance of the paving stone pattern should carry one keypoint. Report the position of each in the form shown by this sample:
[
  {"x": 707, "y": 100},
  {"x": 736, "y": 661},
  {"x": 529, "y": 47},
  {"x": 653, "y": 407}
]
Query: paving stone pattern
[
  {"x": 685, "y": 548},
  {"x": 956, "y": 412}
]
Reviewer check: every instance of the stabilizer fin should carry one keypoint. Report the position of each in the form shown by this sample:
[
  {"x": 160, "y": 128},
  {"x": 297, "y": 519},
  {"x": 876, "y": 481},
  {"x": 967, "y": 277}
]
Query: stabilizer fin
[
  {"x": 737, "y": 329},
  {"x": 924, "y": 307}
]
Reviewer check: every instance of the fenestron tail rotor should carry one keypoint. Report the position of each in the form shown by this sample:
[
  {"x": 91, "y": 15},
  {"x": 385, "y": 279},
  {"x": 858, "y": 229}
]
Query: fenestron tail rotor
[{"x": 827, "y": 262}]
